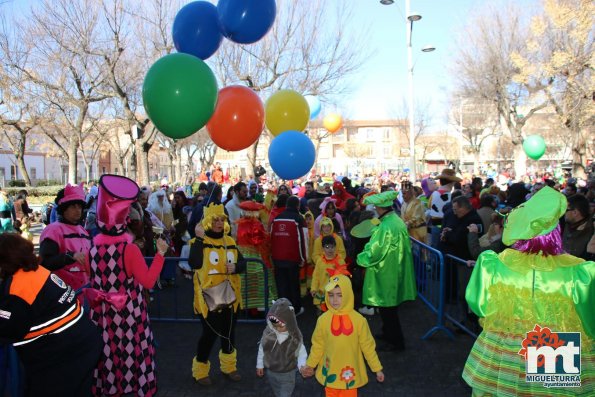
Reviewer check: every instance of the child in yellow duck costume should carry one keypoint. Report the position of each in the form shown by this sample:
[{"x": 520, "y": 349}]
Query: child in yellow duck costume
[
  {"x": 215, "y": 258},
  {"x": 341, "y": 341}
]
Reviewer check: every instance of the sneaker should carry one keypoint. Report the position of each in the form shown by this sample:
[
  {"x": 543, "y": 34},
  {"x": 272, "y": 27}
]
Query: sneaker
[
  {"x": 366, "y": 311},
  {"x": 301, "y": 311}
]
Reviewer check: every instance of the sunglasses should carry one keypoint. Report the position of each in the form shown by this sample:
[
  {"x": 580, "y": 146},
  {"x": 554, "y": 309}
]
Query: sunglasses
[{"x": 328, "y": 247}]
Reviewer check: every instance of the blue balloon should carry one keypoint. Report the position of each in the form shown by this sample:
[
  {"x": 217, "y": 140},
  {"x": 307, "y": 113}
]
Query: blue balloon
[
  {"x": 291, "y": 154},
  {"x": 246, "y": 21},
  {"x": 196, "y": 29},
  {"x": 315, "y": 106}
]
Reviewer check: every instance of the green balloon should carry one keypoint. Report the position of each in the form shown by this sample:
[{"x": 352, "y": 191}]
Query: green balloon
[
  {"x": 179, "y": 94},
  {"x": 534, "y": 146}
]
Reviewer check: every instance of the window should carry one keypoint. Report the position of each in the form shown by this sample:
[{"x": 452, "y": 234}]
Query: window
[
  {"x": 116, "y": 170},
  {"x": 386, "y": 152},
  {"x": 103, "y": 168},
  {"x": 370, "y": 135},
  {"x": 13, "y": 172},
  {"x": 33, "y": 173},
  {"x": 2, "y": 173},
  {"x": 386, "y": 134}
]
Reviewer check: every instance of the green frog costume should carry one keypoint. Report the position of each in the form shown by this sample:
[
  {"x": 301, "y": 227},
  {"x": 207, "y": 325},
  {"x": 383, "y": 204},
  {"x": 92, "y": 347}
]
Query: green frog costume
[
  {"x": 387, "y": 257},
  {"x": 520, "y": 291}
]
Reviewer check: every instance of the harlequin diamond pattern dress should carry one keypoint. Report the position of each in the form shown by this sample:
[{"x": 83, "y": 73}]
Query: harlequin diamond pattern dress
[{"x": 127, "y": 362}]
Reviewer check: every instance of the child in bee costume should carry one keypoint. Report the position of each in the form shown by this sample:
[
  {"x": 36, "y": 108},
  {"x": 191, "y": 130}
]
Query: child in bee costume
[{"x": 215, "y": 258}]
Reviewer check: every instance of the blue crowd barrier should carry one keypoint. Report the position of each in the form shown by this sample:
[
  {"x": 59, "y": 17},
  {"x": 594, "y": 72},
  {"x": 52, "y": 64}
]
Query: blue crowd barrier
[
  {"x": 175, "y": 303},
  {"x": 456, "y": 310},
  {"x": 429, "y": 272}
]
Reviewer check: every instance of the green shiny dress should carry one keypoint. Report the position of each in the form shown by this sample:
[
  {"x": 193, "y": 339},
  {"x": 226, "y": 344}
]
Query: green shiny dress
[
  {"x": 512, "y": 292},
  {"x": 387, "y": 257}
]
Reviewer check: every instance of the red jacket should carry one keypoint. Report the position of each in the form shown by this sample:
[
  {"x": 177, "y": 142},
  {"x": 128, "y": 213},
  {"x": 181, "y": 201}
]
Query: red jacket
[{"x": 287, "y": 237}]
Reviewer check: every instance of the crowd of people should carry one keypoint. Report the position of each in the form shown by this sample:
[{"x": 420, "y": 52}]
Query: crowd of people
[{"x": 343, "y": 244}]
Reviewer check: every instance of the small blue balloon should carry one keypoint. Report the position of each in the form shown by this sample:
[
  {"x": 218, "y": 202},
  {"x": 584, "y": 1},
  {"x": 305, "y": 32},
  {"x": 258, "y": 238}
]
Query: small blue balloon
[
  {"x": 196, "y": 29},
  {"x": 291, "y": 154},
  {"x": 315, "y": 106},
  {"x": 246, "y": 21}
]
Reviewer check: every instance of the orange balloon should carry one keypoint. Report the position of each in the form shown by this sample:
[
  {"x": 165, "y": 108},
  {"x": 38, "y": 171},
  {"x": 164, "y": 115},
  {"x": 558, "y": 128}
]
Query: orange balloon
[
  {"x": 238, "y": 120},
  {"x": 332, "y": 122}
]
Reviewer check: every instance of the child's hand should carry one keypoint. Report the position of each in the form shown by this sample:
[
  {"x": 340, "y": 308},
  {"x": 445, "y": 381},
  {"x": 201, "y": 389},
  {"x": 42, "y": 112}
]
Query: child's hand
[
  {"x": 380, "y": 376},
  {"x": 260, "y": 372},
  {"x": 312, "y": 293},
  {"x": 306, "y": 371}
]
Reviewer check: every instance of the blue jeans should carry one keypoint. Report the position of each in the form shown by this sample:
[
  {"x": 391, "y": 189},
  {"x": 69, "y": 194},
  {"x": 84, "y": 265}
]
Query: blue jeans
[{"x": 282, "y": 383}]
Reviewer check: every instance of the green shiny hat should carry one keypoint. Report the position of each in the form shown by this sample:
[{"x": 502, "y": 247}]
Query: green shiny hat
[
  {"x": 536, "y": 217},
  {"x": 384, "y": 199},
  {"x": 365, "y": 228}
]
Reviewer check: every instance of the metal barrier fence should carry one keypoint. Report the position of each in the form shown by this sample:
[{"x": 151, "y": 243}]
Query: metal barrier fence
[
  {"x": 175, "y": 303},
  {"x": 429, "y": 273},
  {"x": 456, "y": 310}
]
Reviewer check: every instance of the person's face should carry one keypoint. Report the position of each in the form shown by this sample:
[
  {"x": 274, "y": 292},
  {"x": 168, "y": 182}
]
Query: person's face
[
  {"x": 466, "y": 189},
  {"x": 253, "y": 189},
  {"x": 325, "y": 230},
  {"x": 335, "y": 297},
  {"x": 143, "y": 200},
  {"x": 73, "y": 213},
  {"x": 327, "y": 188},
  {"x": 283, "y": 189},
  {"x": 203, "y": 192},
  {"x": 407, "y": 195},
  {"x": 218, "y": 225},
  {"x": 432, "y": 185},
  {"x": 309, "y": 221},
  {"x": 329, "y": 251},
  {"x": 179, "y": 200},
  {"x": 243, "y": 193},
  {"x": 458, "y": 210},
  {"x": 330, "y": 210},
  {"x": 278, "y": 326},
  {"x": 309, "y": 188},
  {"x": 160, "y": 199}
]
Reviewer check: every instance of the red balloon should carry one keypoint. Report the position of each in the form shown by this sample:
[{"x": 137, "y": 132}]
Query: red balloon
[{"x": 238, "y": 120}]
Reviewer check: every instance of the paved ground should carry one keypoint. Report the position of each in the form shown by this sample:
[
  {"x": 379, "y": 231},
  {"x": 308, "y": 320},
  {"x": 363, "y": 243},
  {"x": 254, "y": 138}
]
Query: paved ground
[{"x": 427, "y": 368}]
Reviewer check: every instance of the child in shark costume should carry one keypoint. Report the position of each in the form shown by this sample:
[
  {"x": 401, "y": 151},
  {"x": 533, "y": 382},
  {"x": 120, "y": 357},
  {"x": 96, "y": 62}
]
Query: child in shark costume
[{"x": 281, "y": 350}]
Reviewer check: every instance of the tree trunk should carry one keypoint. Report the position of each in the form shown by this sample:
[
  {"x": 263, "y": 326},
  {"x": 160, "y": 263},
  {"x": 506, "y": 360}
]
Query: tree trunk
[
  {"x": 88, "y": 172},
  {"x": 142, "y": 157},
  {"x": 133, "y": 174},
  {"x": 476, "y": 162},
  {"x": 252, "y": 157},
  {"x": 23, "y": 169},
  {"x": 178, "y": 166},
  {"x": 72, "y": 161},
  {"x": 520, "y": 161}
]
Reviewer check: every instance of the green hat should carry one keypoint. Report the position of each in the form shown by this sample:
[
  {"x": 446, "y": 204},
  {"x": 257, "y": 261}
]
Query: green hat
[
  {"x": 365, "y": 228},
  {"x": 384, "y": 199},
  {"x": 536, "y": 217}
]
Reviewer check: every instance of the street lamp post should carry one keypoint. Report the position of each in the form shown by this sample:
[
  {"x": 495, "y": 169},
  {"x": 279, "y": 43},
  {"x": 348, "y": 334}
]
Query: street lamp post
[{"x": 410, "y": 18}]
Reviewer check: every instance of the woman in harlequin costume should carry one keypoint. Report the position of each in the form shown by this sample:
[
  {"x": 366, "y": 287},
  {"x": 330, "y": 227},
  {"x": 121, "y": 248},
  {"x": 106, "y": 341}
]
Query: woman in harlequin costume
[
  {"x": 532, "y": 284},
  {"x": 119, "y": 275},
  {"x": 340, "y": 343},
  {"x": 254, "y": 242},
  {"x": 64, "y": 245},
  {"x": 215, "y": 258}
]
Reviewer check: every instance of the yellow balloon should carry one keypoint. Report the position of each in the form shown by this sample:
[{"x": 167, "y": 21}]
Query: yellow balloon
[
  {"x": 332, "y": 122},
  {"x": 286, "y": 110}
]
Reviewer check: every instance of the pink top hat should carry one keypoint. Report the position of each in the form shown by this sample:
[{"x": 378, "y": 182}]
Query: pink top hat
[
  {"x": 72, "y": 193},
  {"x": 116, "y": 194}
]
